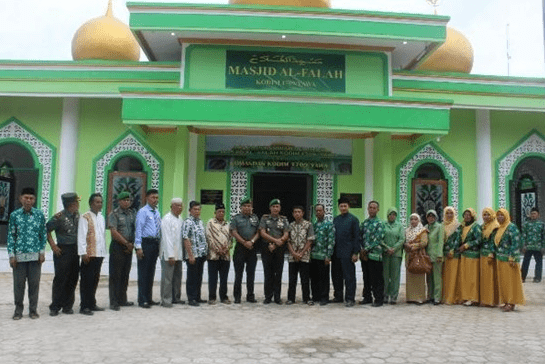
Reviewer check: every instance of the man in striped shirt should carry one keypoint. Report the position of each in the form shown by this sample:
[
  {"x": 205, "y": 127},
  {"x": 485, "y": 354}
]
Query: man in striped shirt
[{"x": 219, "y": 241}]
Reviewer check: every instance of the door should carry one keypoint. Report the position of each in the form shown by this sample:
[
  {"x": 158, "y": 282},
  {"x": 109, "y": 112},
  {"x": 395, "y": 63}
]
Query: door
[{"x": 429, "y": 195}]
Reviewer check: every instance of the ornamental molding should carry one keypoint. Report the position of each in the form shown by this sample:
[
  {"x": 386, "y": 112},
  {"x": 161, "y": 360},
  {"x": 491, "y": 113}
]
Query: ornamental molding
[
  {"x": 324, "y": 192},
  {"x": 534, "y": 144},
  {"x": 129, "y": 143},
  {"x": 239, "y": 190},
  {"x": 44, "y": 153},
  {"x": 428, "y": 153}
]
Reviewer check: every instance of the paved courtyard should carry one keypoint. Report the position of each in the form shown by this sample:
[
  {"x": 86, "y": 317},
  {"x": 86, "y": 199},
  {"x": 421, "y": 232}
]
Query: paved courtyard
[{"x": 257, "y": 333}]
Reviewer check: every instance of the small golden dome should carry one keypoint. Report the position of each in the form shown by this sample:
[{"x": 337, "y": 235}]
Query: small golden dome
[
  {"x": 455, "y": 55},
  {"x": 105, "y": 38},
  {"x": 303, "y": 3}
]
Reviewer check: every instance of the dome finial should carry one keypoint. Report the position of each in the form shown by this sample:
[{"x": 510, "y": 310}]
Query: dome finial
[
  {"x": 435, "y": 4},
  {"x": 109, "y": 11}
]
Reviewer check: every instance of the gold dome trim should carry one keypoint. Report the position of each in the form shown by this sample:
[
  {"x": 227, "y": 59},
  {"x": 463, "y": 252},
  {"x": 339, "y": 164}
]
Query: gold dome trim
[
  {"x": 455, "y": 55},
  {"x": 105, "y": 38}
]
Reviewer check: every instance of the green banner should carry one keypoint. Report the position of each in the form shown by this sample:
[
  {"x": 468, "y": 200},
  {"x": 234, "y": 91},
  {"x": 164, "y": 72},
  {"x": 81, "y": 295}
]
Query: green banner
[{"x": 285, "y": 71}]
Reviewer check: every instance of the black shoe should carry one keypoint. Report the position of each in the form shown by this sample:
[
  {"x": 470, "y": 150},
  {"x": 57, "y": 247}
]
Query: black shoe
[
  {"x": 86, "y": 311},
  {"x": 251, "y": 300},
  {"x": 288, "y": 302},
  {"x": 127, "y": 304},
  {"x": 350, "y": 303},
  {"x": 310, "y": 303},
  {"x": 237, "y": 300},
  {"x": 145, "y": 305},
  {"x": 180, "y": 302},
  {"x": 212, "y": 302},
  {"x": 115, "y": 308},
  {"x": 365, "y": 301},
  {"x": 323, "y": 302},
  {"x": 537, "y": 280},
  {"x": 34, "y": 315},
  {"x": 377, "y": 304},
  {"x": 436, "y": 303},
  {"x": 155, "y": 303},
  {"x": 97, "y": 309},
  {"x": 193, "y": 303},
  {"x": 54, "y": 312},
  {"x": 278, "y": 301},
  {"x": 266, "y": 301},
  {"x": 393, "y": 302},
  {"x": 68, "y": 311},
  {"x": 17, "y": 316},
  {"x": 337, "y": 300},
  {"x": 226, "y": 301},
  {"x": 202, "y": 301}
]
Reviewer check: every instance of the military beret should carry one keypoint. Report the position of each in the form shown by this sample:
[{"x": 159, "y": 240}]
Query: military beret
[
  {"x": 69, "y": 197},
  {"x": 123, "y": 195},
  {"x": 220, "y": 206},
  {"x": 274, "y": 202},
  {"x": 246, "y": 200}
]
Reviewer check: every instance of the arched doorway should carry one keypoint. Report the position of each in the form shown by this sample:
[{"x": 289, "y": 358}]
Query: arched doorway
[
  {"x": 527, "y": 189},
  {"x": 128, "y": 174},
  {"x": 17, "y": 171},
  {"x": 429, "y": 190}
]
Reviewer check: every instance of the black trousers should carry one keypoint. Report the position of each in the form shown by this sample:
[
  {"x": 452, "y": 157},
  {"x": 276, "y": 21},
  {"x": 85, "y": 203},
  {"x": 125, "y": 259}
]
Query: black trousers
[
  {"x": 273, "y": 265},
  {"x": 215, "y": 268},
  {"x": 90, "y": 275},
  {"x": 303, "y": 270},
  {"x": 26, "y": 272},
  {"x": 66, "y": 277},
  {"x": 146, "y": 269},
  {"x": 373, "y": 281},
  {"x": 343, "y": 274},
  {"x": 526, "y": 263},
  {"x": 120, "y": 268},
  {"x": 244, "y": 257},
  {"x": 193, "y": 282},
  {"x": 319, "y": 280}
]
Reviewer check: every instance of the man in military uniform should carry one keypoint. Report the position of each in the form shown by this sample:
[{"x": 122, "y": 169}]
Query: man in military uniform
[
  {"x": 65, "y": 254},
  {"x": 121, "y": 223},
  {"x": 274, "y": 230},
  {"x": 244, "y": 229}
]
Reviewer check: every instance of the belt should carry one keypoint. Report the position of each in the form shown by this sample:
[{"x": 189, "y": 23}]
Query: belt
[{"x": 151, "y": 240}]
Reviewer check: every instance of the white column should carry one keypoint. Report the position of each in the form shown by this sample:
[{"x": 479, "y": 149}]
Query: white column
[
  {"x": 192, "y": 167},
  {"x": 68, "y": 149},
  {"x": 369, "y": 171},
  {"x": 484, "y": 161}
]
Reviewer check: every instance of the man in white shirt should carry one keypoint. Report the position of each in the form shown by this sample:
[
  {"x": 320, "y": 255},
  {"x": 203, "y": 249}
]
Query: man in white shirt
[
  {"x": 92, "y": 249},
  {"x": 171, "y": 255}
]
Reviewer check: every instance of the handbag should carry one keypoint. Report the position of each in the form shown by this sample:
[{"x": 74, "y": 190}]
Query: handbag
[{"x": 419, "y": 262}]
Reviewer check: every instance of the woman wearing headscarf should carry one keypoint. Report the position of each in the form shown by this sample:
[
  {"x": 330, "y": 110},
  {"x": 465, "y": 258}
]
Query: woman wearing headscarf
[
  {"x": 416, "y": 237},
  {"x": 394, "y": 237},
  {"x": 451, "y": 288},
  {"x": 470, "y": 243},
  {"x": 489, "y": 278},
  {"x": 507, "y": 241},
  {"x": 436, "y": 241}
]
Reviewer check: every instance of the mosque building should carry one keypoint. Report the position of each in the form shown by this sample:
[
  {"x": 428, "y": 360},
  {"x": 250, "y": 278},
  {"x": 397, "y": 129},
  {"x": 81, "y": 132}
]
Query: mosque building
[{"x": 286, "y": 99}]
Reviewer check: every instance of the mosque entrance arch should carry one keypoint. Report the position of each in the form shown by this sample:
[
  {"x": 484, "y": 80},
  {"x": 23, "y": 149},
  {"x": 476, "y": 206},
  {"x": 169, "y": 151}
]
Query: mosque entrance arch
[
  {"x": 527, "y": 188},
  {"x": 429, "y": 190}
]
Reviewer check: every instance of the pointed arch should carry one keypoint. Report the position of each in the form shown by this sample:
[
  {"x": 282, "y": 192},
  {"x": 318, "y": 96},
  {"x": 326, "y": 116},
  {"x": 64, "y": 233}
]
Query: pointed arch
[
  {"x": 43, "y": 153},
  {"x": 128, "y": 144},
  {"x": 405, "y": 172},
  {"x": 532, "y": 144}
]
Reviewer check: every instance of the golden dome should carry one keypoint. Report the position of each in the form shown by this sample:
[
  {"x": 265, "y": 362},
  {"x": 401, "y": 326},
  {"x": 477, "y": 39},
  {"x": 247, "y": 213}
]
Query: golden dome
[
  {"x": 455, "y": 55},
  {"x": 303, "y": 3},
  {"x": 105, "y": 38}
]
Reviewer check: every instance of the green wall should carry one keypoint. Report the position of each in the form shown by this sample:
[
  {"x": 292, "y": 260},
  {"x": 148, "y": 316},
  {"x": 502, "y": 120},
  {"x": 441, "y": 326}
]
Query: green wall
[
  {"x": 366, "y": 73},
  {"x": 355, "y": 182}
]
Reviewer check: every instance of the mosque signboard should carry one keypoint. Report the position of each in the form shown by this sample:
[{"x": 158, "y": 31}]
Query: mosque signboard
[
  {"x": 288, "y": 71},
  {"x": 281, "y": 154}
]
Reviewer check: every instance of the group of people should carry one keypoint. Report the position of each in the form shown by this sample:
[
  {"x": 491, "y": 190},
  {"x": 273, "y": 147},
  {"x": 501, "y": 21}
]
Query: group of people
[{"x": 469, "y": 263}]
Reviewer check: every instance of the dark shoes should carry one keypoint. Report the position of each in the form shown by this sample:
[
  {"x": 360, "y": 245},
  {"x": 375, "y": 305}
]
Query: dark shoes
[
  {"x": 337, "y": 300},
  {"x": 145, "y": 305},
  {"x": 251, "y": 300},
  {"x": 53, "y": 312},
  {"x": 310, "y": 303},
  {"x": 180, "y": 302},
  {"x": 537, "y": 280},
  {"x": 68, "y": 311},
  {"x": 226, "y": 301},
  {"x": 237, "y": 300},
  {"x": 154, "y": 303},
  {"x": 34, "y": 315},
  {"x": 86, "y": 311},
  {"x": 127, "y": 304},
  {"x": 266, "y": 301},
  {"x": 324, "y": 302},
  {"x": 377, "y": 304},
  {"x": 97, "y": 309},
  {"x": 366, "y": 302},
  {"x": 17, "y": 316},
  {"x": 289, "y": 302},
  {"x": 115, "y": 308},
  {"x": 193, "y": 303},
  {"x": 278, "y": 301},
  {"x": 350, "y": 303}
]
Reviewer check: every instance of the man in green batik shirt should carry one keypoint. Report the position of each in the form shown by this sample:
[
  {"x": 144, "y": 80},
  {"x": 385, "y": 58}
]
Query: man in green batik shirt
[
  {"x": 320, "y": 256},
  {"x": 436, "y": 240},
  {"x": 372, "y": 234},
  {"x": 533, "y": 244},
  {"x": 394, "y": 237}
]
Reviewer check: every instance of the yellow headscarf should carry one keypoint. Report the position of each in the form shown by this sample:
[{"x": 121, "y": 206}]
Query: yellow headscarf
[
  {"x": 503, "y": 226},
  {"x": 492, "y": 225},
  {"x": 466, "y": 229},
  {"x": 450, "y": 226}
]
